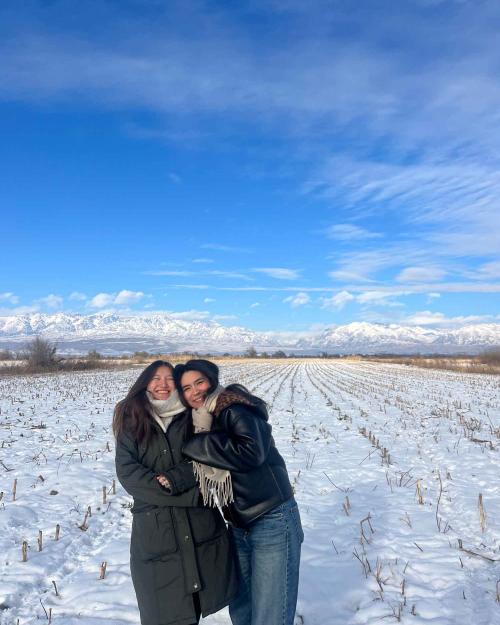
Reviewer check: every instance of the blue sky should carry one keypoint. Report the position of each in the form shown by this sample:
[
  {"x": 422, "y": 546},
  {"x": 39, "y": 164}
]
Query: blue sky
[{"x": 275, "y": 164}]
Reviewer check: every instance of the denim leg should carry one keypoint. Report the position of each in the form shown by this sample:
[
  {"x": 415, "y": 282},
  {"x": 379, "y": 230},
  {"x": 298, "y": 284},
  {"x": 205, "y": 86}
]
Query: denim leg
[
  {"x": 274, "y": 543},
  {"x": 240, "y": 609}
]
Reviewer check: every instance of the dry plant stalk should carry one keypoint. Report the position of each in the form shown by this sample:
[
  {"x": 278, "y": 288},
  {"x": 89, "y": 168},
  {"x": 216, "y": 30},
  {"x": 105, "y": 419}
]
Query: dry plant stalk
[
  {"x": 55, "y": 588},
  {"x": 40, "y": 540},
  {"x": 14, "y": 490},
  {"x": 482, "y": 513},
  {"x": 420, "y": 499},
  {"x": 103, "y": 494},
  {"x": 102, "y": 572},
  {"x": 84, "y": 527},
  {"x": 24, "y": 551},
  {"x": 113, "y": 487},
  {"x": 58, "y": 530}
]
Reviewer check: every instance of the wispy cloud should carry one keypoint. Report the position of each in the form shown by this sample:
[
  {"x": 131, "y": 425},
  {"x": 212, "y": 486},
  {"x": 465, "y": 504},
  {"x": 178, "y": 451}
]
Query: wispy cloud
[
  {"x": 225, "y": 248},
  {"x": 217, "y": 273},
  {"x": 77, "y": 296},
  {"x": 337, "y": 301},
  {"x": 428, "y": 318},
  {"x": 51, "y": 301},
  {"x": 350, "y": 232},
  {"x": 300, "y": 299},
  {"x": 280, "y": 273},
  {"x": 9, "y": 298},
  {"x": 421, "y": 274}
]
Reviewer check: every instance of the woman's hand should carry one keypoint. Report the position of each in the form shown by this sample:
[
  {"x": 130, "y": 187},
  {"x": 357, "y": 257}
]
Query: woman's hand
[{"x": 163, "y": 481}]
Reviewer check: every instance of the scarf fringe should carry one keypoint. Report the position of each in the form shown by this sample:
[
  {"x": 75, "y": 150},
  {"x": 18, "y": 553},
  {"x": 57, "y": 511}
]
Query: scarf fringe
[{"x": 215, "y": 491}]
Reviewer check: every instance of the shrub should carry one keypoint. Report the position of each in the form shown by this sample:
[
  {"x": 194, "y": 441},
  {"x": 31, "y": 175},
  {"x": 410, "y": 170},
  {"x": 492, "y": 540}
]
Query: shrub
[{"x": 41, "y": 355}]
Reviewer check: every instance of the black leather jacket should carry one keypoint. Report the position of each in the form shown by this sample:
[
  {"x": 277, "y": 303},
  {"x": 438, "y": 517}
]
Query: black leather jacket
[{"x": 241, "y": 442}]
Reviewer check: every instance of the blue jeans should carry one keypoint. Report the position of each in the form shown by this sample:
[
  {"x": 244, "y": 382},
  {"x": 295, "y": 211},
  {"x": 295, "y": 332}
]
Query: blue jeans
[{"x": 268, "y": 554}]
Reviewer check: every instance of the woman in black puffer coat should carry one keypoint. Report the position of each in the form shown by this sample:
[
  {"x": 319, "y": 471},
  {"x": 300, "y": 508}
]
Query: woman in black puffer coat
[{"x": 180, "y": 557}]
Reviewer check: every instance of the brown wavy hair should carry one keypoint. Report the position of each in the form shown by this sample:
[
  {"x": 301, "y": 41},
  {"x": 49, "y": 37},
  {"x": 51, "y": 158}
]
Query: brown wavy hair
[{"x": 131, "y": 414}]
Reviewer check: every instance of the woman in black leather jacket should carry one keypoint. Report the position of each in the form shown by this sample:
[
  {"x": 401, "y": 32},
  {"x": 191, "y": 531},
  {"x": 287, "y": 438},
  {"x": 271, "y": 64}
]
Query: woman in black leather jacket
[{"x": 234, "y": 436}]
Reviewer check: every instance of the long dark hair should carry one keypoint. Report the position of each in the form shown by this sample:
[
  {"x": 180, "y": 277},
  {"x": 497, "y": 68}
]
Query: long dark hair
[
  {"x": 211, "y": 371},
  {"x": 131, "y": 414}
]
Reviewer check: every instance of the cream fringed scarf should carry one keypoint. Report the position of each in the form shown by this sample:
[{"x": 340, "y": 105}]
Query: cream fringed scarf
[
  {"x": 164, "y": 410},
  {"x": 215, "y": 484}
]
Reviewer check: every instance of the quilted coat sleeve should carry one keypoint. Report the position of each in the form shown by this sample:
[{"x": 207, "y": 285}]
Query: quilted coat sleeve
[
  {"x": 181, "y": 477},
  {"x": 140, "y": 482},
  {"x": 240, "y": 443}
]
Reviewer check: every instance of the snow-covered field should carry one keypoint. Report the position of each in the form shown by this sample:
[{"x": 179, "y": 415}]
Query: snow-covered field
[{"x": 388, "y": 462}]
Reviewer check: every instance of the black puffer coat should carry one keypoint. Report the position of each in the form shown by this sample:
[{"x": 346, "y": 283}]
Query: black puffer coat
[
  {"x": 178, "y": 547},
  {"x": 241, "y": 441}
]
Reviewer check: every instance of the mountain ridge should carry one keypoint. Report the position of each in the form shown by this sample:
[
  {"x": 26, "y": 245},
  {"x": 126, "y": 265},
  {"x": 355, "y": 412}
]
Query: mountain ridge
[{"x": 114, "y": 332}]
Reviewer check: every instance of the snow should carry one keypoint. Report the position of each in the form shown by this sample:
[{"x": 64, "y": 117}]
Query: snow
[
  {"x": 113, "y": 333},
  {"x": 372, "y": 551}
]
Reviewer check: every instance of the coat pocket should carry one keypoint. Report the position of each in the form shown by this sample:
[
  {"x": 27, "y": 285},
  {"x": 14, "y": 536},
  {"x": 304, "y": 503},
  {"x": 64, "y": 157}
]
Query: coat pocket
[
  {"x": 206, "y": 524},
  {"x": 153, "y": 533}
]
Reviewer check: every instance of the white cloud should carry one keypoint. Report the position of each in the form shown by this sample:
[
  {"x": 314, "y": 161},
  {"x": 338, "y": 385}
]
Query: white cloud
[
  {"x": 10, "y": 298},
  {"x": 421, "y": 274},
  {"x": 208, "y": 300},
  {"x": 76, "y": 296},
  {"x": 226, "y": 274},
  {"x": 19, "y": 310},
  {"x": 191, "y": 315},
  {"x": 280, "y": 273},
  {"x": 300, "y": 299},
  {"x": 255, "y": 305},
  {"x": 350, "y": 232},
  {"x": 51, "y": 301},
  {"x": 380, "y": 298},
  {"x": 224, "y": 317},
  {"x": 102, "y": 300},
  {"x": 338, "y": 301},
  {"x": 426, "y": 317},
  {"x": 487, "y": 271},
  {"x": 361, "y": 266},
  {"x": 202, "y": 260},
  {"x": 128, "y": 297},
  {"x": 432, "y": 296},
  {"x": 123, "y": 298}
]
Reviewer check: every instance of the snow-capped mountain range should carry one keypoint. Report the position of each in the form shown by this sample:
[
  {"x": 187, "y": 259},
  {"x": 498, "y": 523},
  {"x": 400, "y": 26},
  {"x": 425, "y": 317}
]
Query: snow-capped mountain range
[{"x": 112, "y": 333}]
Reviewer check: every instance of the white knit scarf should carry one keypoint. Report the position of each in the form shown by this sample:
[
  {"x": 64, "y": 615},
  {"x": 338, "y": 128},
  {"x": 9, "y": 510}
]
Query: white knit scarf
[
  {"x": 164, "y": 410},
  {"x": 215, "y": 484}
]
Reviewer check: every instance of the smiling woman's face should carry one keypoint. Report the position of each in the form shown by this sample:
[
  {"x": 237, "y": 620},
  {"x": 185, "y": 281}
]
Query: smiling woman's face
[
  {"x": 195, "y": 387},
  {"x": 161, "y": 385}
]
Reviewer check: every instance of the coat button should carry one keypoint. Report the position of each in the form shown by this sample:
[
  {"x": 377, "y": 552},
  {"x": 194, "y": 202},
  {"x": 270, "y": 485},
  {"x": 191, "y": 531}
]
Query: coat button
[
  {"x": 195, "y": 586},
  {"x": 186, "y": 538}
]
